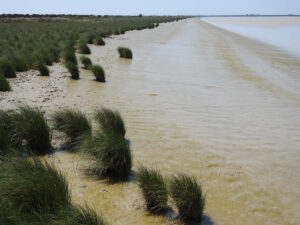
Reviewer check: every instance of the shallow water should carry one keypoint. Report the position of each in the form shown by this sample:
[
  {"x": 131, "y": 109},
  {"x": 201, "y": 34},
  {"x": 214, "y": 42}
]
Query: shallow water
[
  {"x": 196, "y": 99},
  {"x": 283, "y": 32}
]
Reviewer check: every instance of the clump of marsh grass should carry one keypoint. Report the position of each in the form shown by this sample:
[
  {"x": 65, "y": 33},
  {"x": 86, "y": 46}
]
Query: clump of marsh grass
[
  {"x": 86, "y": 62},
  {"x": 4, "y": 84},
  {"x": 98, "y": 73},
  {"x": 42, "y": 68},
  {"x": 68, "y": 55},
  {"x": 31, "y": 185},
  {"x": 19, "y": 63},
  {"x": 83, "y": 48},
  {"x": 33, "y": 191},
  {"x": 7, "y": 69},
  {"x": 27, "y": 125},
  {"x": 99, "y": 41},
  {"x": 154, "y": 189},
  {"x": 73, "y": 123},
  {"x": 5, "y": 140},
  {"x": 187, "y": 195},
  {"x": 73, "y": 69},
  {"x": 77, "y": 215},
  {"x": 112, "y": 155},
  {"x": 125, "y": 52},
  {"x": 110, "y": 119}
]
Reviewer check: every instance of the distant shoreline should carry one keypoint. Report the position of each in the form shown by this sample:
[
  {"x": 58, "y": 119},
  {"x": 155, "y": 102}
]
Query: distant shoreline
[
  {"x": 10, "y": 15},
  {"x": 289, "y": 15}
]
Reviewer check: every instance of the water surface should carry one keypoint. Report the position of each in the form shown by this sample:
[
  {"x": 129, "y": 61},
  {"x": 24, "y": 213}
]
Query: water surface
[{"x": 283, "y": 32}]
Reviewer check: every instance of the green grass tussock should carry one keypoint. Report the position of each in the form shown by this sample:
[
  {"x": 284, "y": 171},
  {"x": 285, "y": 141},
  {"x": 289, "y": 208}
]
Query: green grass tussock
[
  {"x": 86, "y": 62},
  {"x": 27, "y": 126},
  {"x": 125, "y": 52},
  {"x": 73, "y": 70},
  {"x": 4, "y": 84},
  {"x": 99, "y": 41},
  {"x": 109, "y": 119},
  {"x": 34, "y": 192},
  {"x": 68, "y": 55},
  {"x": 187, "y": 194},
  {"x": 32, "y": 185},
  {"x": 73, "y": 123},
  {"x": 7, "y": 69},
  {"x": 42, "y": 68},
  {"x": 5, "y": 138},
  {"x": 98, "y": 73},
  {"x": 77, "y": 215},
  {"x": 83, "y": 48},
  {"x": 154, "y": 189},
  {"x": 112, "y": 156}
]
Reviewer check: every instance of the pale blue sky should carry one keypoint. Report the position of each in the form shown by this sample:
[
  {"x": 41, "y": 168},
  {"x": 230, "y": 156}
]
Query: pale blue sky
[{"x": 151, "y": 7}]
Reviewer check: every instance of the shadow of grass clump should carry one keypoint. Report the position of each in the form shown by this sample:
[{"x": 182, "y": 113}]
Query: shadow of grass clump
[
  {"x": 27, "y": 125},
  {"x": 73, "y": 123},
  {"x": 34, "y": 192},
  {"x": 154, "y": 189},
  {"x": 109, "y": 119},
  {"x": 4, "y": 84},
  {"x": 187, "y": 195},
  {"x": 42, "y": 68},
  {"x": 98, "y": 73},
  {"x": 73, "y": 70},
  {"x": 86, "y": 62},
  {"x": 125, "y": 52},
  {"x": 7, "y": 69},
  {"x": 112, "y": 156}
]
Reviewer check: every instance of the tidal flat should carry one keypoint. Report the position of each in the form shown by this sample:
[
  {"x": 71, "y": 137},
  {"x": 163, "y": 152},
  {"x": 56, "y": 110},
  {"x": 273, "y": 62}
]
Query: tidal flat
[{"x": 196, "y": 99}]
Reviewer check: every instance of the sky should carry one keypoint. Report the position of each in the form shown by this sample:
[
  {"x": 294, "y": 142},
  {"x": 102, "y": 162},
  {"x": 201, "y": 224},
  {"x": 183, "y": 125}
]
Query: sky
[{"x": 151, "y": 7}]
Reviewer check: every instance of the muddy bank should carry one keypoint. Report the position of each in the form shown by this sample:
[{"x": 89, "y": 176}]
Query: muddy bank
[{"x": 196, "y": 99}]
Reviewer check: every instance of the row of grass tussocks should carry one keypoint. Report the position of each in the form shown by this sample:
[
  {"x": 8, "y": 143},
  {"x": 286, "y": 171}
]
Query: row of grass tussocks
[
  {"x": 184, "y": 190},
  {"x": 36, "y": 44},
  {"x": 37, "y": 193}
]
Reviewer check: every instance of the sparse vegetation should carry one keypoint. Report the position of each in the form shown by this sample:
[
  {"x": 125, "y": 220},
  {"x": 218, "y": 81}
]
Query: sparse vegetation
[
  {"x": 154, "y": 189},
  {"x": 73, "y": 69},
  {"x": 109, "y": 119},
  {"x": 125, "y": 52},
  {"x": 73, "y": 123},
  {"x": 98, "y": 73},
  {"x": 4, "y": 84},
  {"x": 187, "y": 195},
  {"x": 86, "y": 62}
]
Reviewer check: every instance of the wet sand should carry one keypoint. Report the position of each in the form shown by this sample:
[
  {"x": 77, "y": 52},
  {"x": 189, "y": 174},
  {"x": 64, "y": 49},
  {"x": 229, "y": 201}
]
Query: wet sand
[{"x": 196, "y": 99}]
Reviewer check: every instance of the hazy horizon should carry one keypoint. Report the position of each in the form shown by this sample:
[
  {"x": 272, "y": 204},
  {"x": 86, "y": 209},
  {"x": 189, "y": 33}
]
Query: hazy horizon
[{"x": 154, "y": 7}]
